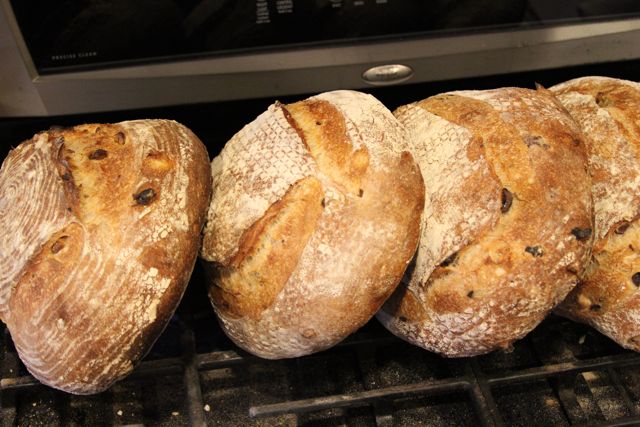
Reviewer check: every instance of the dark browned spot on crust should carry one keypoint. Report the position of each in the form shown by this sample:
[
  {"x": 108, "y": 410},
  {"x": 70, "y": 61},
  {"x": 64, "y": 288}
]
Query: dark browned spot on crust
[
  {"x": 534, "y": 251},
  {"x": 97, "y": 130},
  {"x": 145, "y": 196},
  {"x": 634, "y": 341},
  {"x": 64, "y": 170},
  {"x": 470, "y": 294},
  {"x": 323, "y": 203},
  {"x": 318, "y": 122},
  {"x": 58, "y": 245},
  {"x": 595, "y": 307},
  {"x": 535, "y": 141},
  {"x": 581, "y": 234},
  {"x": 220, "y": 303},
  {"x": 360, "y": 192},
  {"x": 636, "y": 279},
  {"x": 621, "y": 228},
  {"x": 507, "y": 200},
  {"x": 438, "y": 273},
  {"x": 603, "y": 100},
  {"x": 572, "y": 269},
  {"x": 120, "y": 138},
  {"x": 576, "y": 142},
  {"x": 98, "y": 154},
  {"x": 470, "y": 116},
  {"x": 449, "y": 260}
]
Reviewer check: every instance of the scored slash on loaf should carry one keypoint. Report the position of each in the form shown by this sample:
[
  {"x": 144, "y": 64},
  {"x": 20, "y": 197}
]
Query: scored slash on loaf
[
  {"x": 507, "y": 220},
  {"x": 608, "y": 110},
  {"x": 100, "y": 231},
  {"x": 313, "y": 220}
]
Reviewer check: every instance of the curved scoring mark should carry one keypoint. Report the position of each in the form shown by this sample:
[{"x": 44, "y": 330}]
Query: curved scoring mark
[
  {"x": 43, "y": 343},
  {"x": 32, "y": 207},
  {"x": 269, "y": 156}
]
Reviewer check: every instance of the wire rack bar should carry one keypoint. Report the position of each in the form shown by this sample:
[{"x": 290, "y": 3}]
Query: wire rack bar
[
  {"x": 480, "y": 389},
  {"x": 191, "y": 379},
  {"x": 472, "y": 380},
  {"x": 554, "y": 369},
  {"x": 359, "y": 398},
  {"x": 622, "y": 390},
  {"x": 481, "y": 395}
]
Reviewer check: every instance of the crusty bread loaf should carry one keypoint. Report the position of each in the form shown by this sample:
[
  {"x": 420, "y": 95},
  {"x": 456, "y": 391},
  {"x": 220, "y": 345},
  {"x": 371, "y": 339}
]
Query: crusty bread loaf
[
  {"x": 608, "y": 298},
  {"x": 313, "y": 220},
  {"x": 507, "y": 220},
  {"x": 100, "y": 227}
]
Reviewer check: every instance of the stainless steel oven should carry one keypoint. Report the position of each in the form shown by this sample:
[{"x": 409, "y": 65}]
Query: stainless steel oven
[{"x": 84, "y": 56}]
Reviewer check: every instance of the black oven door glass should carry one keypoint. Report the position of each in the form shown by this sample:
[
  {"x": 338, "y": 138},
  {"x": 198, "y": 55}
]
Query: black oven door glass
[{"x": 79, "y": 34}]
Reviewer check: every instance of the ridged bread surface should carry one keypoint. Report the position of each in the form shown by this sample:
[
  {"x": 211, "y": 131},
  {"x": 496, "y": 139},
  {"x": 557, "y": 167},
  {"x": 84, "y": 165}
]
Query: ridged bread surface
[
  {"x": 100, "y": 230},
  {"x": 608, "y": 297},
  {"x": 507, "y": 222},
  {"x": 326, "y": 202}
]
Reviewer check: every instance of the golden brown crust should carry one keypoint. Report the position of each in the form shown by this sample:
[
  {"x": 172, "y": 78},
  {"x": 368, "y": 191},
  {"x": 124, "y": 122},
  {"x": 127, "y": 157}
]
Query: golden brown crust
[
  {"x": 95, "y": 290},
  {"x": 324, "y": 131},
  {"x": 269, "y": 252},
  {"x": 499, "y": 247},
  {"x": 369, "y": 193},
  {"x": 608, "y": 298}
]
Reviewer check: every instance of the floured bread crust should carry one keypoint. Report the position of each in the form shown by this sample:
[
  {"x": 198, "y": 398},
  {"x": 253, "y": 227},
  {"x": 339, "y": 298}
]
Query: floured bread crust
[
  {"x": 101, "y": 227},
  {"x": 507, "y": 221},
  {"x": 608, "y": 298},
  {"x": 313, "y": 220}
]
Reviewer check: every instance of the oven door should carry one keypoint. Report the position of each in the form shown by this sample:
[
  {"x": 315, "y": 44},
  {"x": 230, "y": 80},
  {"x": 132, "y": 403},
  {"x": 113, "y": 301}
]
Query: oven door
[{"x": 64, "y": 59}]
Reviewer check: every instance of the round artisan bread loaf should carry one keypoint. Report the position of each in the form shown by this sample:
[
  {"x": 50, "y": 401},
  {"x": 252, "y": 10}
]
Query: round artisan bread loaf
[
  {"x": 608, "y": 297},
  {"x": 507, "y": 222},
  {"x": 101, "y": 227},
  {"x": 314, "y": 217}
]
